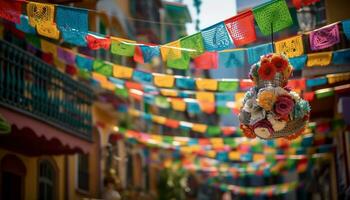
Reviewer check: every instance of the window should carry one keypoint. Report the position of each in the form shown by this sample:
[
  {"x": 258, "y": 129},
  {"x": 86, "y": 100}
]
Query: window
[
  {"x": 83, "y": 172},
  {"x": 47, "y": 177}
]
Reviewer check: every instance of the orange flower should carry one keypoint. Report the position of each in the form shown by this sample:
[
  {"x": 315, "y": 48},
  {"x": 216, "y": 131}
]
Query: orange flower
[
  {"x": 279, "y": 62},
  {"x": 248, "y": 132},
  {"x": 266, "y": 71}
]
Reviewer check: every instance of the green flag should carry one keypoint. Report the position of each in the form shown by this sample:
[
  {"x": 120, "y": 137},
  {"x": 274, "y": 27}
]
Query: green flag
[
  {"x": 228, "y": 85},
  {"x": 193, "y": 44},
  {"x": 102, "y": 67},
  {"x": 272, "y": 16}
]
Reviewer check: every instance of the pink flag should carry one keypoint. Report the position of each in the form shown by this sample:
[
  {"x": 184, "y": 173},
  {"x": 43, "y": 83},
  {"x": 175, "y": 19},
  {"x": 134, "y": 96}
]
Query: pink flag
[{"x": 324, "y": 37}]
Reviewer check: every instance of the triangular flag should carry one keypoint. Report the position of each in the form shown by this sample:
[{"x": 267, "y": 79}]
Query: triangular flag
[{"x": 138, "y": 56}]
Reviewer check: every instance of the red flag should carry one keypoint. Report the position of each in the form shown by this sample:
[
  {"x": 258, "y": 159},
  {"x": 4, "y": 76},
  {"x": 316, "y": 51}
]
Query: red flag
[
  {"x": 133, "y": 85},
  {"x": 309, "y": 96},
  {"x": 172, "y": 123},
  {"x": 297, "y": 84},
  {"x": 299, "y": 3},
  {"x": 246, "y": 84},
  {"x": 71, "y": 70},
  {"x": 138, "y": 57},
  {"x": 11, "y": 10},
  {"x": 241, "y": 28},
  {"x": 96, "y": 42},
  {"x": 208, "y": 60}
]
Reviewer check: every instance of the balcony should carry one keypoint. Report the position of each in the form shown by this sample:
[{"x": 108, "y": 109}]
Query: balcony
[{"x": 38, "y": 91}]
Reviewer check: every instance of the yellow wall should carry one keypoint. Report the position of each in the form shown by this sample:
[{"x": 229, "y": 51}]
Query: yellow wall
[{"x": 31, "y": 179}]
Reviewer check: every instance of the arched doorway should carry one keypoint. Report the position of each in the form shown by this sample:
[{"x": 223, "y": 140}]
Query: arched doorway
[{"x": 13, "y": 172}]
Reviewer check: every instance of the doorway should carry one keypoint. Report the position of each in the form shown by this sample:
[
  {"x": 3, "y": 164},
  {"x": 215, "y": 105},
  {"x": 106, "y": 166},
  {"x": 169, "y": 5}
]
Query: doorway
[{"x": 13, "y": 172}]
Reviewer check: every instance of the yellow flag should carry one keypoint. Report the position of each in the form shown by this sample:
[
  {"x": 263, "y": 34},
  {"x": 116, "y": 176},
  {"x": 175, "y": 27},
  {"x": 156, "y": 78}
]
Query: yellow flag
[
  {"x": 258, "y": 157},
  {"x": 290, "y": 47},
  {"x": 178, "y": 104},
  {"x": 42, "y": 16},
  {"x": 99, "y": 77},
  {"x": 334, "y": 78},
  {"x": 319, "y": 59},
  {"x": 205, "y": 97},
  {"x": 48, "y": 47},
  {"x": 171, "y": 50},
  {"x": 201, "y": 128},
  {"x": 108, "y": 85},
  {"x": 122, "y": 72},
  {"x": 157, "y": 138},
  {"x": 216, "y": 141},
  {"x": 207, "y": 84},
  {"x": 158, "y": 119},
  {"x": 162, "y": 80},
  {"x": 211, "y": 154},
  {"x": 234, "y": 155},
  {"x": 168, "y": 93}
]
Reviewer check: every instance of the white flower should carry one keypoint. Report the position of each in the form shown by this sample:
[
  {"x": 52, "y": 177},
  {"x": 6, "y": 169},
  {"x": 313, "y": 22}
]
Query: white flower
[
  {"x": 257, "y": 114},
  {"x": 295, "y": 96},
  {"x": 262, "y": 132},
  {"x": 249, "y": 104},
  {"x": 276, "y": 124}
]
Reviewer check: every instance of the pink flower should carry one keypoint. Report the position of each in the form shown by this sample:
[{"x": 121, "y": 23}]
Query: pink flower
[{"x": 284, "y": 105}]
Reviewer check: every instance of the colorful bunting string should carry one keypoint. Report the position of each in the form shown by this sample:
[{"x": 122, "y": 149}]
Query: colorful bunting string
[{"x": 220, "y": 36}]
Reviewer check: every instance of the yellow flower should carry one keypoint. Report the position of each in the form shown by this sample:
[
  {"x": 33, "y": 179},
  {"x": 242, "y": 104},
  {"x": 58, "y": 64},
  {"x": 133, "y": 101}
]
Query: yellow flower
[{"x": 266, "y": 99}]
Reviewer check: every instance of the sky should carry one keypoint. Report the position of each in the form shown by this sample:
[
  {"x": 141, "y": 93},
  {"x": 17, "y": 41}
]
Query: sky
[{"x": 212, "y": 12}]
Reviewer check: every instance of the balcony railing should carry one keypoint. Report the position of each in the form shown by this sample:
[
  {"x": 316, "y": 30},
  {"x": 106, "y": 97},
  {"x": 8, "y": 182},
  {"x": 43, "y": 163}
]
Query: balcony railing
[{"x": 30, "y": 86}]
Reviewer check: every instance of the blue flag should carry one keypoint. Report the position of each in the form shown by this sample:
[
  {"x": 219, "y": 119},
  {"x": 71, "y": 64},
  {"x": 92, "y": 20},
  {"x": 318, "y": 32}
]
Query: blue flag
[
  {"x": 298, "y": 63},
  {"x": 216, "y": 38},
  {"x": 341, "y": 56},
  {"x": 255, "y": 52},
  {"x": 73, "y": 24},
  {"x": 230, "y": 59},
  {"x": 142, "y": 77}
]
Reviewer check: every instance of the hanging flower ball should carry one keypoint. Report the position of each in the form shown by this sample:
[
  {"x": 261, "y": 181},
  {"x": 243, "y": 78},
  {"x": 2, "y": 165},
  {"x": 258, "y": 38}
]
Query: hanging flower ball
[{"x": 270, "y": 109}]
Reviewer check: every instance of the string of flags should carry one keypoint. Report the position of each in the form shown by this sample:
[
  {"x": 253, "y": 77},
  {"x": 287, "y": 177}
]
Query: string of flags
[
  {"x": 215, "y": 168},
  {"x": 71, "y": 58},
  {"x": 226, "y": 103},
  {"x": 203, "y": 47},
  {"x": 269, "y": 190},
  {"x": 232, "y": 149}
]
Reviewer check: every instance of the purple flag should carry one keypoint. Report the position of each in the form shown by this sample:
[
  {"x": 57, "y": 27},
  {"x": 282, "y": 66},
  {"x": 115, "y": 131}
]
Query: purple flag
[
  {"x": 324, "y": 37},
  {"x": 65, "y": 55}
]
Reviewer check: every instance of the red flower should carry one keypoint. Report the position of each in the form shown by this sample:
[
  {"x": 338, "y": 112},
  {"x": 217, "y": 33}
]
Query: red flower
[
  {"x": 266, "y": 71},
  {"x": 279, "y": 63}
]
